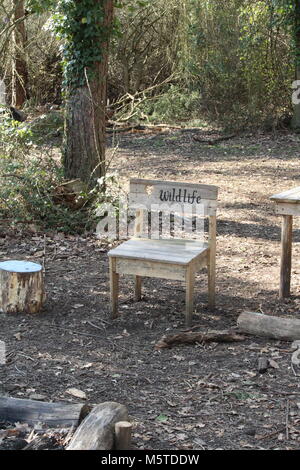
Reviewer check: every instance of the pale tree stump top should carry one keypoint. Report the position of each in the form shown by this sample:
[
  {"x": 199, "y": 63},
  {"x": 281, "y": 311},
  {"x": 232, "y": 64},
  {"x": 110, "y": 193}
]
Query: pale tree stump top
[{"x": 14, "y": 266}]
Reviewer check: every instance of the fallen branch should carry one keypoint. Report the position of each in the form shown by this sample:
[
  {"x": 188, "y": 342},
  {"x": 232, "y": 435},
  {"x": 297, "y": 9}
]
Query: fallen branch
[
  {"x": 17, "y": 221},
  {"x": 286, "y": 329},
  {"x": 191, "y": 338},
  {"x": 137, "y": 127},
  {"x": 213, "y": 141},
  {"x": 13, "y": 175},
  {"x": 140, "y": 127}
]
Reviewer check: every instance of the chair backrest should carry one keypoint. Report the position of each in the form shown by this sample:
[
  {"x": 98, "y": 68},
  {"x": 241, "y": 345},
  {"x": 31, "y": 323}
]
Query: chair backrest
[{"x": 185, "y": 202}]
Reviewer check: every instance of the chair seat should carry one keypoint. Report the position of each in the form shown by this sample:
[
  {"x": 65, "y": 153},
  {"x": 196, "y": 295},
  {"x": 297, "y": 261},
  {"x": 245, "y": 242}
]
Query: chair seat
[{"x": 172, "y": 251}]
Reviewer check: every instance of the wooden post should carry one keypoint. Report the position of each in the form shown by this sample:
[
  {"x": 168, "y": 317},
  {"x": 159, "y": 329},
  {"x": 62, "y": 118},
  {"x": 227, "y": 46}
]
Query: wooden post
[
  {"x": 123, "y": 435},
  {"x": 21, "y": 287},
  {"x": 189, "y": 299},
  {"x": 138, "y": 288},
  {"x": 212, "y": 262},
  {"x": 286, "y": 256},
  {"x": 114, "y": 286}
]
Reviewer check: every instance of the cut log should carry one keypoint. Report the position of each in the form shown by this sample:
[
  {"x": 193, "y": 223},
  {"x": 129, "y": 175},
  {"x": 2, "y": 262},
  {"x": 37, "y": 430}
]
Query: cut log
[
  {"x": 286, "y": 329},
  {"x": 21, "y": 287},
  {"x": 33, "y": 412},
  {"x": 190, "y": 338},
  {"x": 123, "y": 435},
  {"x": 96, "y": 431}
]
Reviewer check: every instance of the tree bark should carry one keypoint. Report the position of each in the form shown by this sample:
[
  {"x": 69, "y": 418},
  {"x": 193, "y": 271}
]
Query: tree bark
[
  {"x": 19, "y": 68},
  {"x": 85, "y": 122},
  {"x": 295, "y": 123}
]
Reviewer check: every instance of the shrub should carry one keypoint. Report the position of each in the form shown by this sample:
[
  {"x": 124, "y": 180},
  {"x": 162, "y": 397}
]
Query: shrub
[{"x": 31, "y": 184}]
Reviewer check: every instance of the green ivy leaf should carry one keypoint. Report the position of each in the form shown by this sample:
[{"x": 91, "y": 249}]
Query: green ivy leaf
[{"x": 162, "y": 418}]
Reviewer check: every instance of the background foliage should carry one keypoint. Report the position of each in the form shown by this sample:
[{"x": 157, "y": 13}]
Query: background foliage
[
  {"x": 226, "y": 62},
  {"x": 231, "y": 61}
]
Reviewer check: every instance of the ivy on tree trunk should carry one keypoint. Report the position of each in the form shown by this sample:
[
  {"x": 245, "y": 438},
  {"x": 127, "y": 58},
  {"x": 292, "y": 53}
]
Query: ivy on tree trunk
[
  {"x": 84, "y": 146},
  {"x": 85, "y": 27},
  {"x": 296, "y": 113}
]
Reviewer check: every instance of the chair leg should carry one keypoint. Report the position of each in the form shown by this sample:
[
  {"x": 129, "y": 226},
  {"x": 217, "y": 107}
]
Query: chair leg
[
  {"x": 189, "y": 296},
  {"x": 211, "y": 267},
  {"x": 138, "y": 288},
  {"x": 114, "y": 287}
]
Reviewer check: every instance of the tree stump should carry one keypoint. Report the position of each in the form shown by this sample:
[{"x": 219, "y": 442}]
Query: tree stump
[{"x": 21, "y": 287}]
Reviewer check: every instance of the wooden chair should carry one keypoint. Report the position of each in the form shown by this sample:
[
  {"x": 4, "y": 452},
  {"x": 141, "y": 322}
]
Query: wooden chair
[{"x": 167, "y": 258}]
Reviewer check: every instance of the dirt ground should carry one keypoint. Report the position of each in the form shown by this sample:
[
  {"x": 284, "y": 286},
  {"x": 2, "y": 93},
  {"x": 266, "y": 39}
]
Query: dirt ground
[{"x": 188, "y": 397}]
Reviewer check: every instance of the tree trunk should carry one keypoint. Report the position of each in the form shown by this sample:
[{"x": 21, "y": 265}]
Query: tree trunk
[
  {"x": 295, "y": 123},
  {"x": 84, "y": 156},
  {"x": 85, "y": 123},
  {"x": 19, "y": 68}
]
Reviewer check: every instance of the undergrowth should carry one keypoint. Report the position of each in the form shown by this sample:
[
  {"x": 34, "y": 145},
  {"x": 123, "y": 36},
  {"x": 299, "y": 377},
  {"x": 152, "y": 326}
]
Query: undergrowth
[{"x": 32, "y": 181}]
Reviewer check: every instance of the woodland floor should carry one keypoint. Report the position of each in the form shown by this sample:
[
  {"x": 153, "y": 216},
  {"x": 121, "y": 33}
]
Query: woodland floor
[{"x": 188, "y": 397}]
